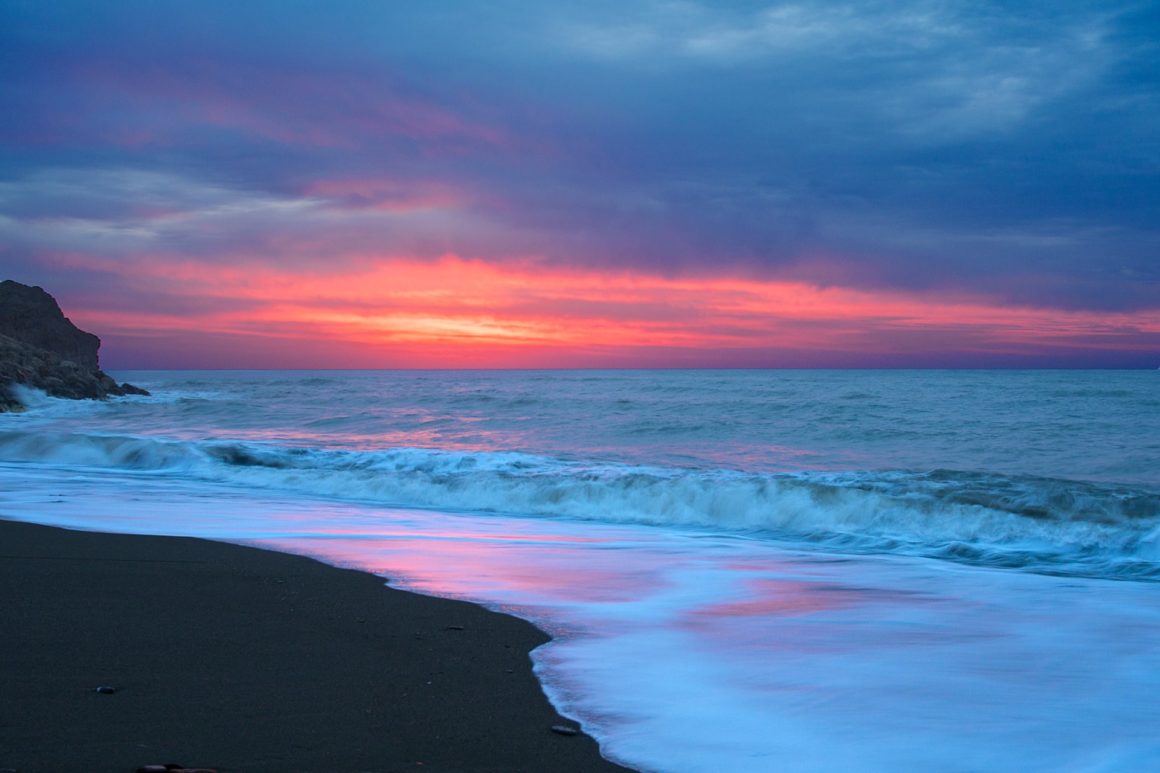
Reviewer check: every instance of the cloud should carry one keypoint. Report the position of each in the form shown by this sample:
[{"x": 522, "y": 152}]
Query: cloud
[
  {"x": 516, "y": 313},
  {"x": 924, "y": 70},
  {"x": 933, "y": 149}
]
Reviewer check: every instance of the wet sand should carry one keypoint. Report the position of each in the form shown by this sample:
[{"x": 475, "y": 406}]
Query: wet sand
[{"x": 240, "y": 659}]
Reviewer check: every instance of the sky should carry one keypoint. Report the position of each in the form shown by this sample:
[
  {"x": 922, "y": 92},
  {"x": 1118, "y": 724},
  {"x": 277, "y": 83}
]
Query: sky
[{"x": 373, "y": 184}]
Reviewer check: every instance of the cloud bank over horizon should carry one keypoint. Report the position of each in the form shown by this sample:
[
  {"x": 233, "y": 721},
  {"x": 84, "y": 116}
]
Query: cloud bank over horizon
[{"x": 599, "y": 184}]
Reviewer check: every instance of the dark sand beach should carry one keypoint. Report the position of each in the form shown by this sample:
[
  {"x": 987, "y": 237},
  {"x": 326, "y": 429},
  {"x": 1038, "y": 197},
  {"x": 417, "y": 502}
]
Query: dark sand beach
[{"x": 240, "y": 659}]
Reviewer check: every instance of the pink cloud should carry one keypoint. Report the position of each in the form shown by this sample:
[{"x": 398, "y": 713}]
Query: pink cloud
[{"x": 454, "y": 312}]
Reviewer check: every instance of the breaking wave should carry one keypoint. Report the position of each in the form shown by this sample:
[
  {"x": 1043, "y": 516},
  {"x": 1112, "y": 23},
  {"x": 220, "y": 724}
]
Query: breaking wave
[{"x": 1023, "y": 522}]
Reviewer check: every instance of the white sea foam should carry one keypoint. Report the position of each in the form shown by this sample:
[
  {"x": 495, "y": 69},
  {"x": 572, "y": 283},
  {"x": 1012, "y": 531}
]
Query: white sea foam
[
  {"x": 1020, "y": 522},
  {"x": 28, "y": 396}
]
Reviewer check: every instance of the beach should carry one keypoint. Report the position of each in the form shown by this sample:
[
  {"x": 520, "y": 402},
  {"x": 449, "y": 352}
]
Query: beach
[{"x": 239, "y": 659}]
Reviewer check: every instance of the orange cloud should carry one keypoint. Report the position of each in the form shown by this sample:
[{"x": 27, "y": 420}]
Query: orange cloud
[{"x": 398, "y": 312}]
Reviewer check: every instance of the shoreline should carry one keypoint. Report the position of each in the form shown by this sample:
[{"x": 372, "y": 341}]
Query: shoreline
[{"x": 241, "y": 659}]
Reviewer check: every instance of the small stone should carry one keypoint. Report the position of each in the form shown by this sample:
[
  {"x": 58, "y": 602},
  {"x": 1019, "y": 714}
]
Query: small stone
[
  {"x": 565, "y": 730},
  {"x": 455, "y": 628},
  {"x": 105, "y": 689}
]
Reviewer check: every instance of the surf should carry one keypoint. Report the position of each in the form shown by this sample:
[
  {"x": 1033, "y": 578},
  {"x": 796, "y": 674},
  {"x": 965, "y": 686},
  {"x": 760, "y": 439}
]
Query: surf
[{"x": 1024, "y": 522}]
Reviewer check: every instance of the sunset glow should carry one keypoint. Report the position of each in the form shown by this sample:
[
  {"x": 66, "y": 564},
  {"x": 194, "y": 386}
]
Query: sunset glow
[
  {"x": 567, "y": 191},
  {"x": 452, "y": 312}
]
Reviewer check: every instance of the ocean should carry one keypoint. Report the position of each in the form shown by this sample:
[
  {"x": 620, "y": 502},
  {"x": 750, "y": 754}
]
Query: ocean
[{"x": 749, "y": 570}]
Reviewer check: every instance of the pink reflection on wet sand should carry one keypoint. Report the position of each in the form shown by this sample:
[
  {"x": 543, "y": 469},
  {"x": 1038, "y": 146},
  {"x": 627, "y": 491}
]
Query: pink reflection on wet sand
[
  {"x": 781, "y": 598},
  {"x": 534, "y": 571}
]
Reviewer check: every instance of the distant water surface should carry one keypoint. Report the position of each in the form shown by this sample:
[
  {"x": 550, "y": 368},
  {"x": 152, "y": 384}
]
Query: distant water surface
[{"x": 1085, "y": 425}]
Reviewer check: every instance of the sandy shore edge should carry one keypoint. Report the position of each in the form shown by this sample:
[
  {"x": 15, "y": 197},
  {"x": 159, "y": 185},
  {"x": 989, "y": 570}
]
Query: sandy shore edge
[{"x": 241, "y": 659}]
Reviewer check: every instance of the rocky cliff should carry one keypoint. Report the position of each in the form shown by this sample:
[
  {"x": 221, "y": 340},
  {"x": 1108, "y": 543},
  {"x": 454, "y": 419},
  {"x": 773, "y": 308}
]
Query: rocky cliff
[{"x": 42, "y": 349}]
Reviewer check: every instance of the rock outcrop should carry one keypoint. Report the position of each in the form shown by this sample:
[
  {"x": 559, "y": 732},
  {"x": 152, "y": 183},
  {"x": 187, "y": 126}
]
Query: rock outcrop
[{"x": 40, "y": 348}]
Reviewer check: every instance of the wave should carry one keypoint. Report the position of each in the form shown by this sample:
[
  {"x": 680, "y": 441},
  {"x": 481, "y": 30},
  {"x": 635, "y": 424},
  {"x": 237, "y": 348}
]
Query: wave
[{"x": 1025, "y": 522}]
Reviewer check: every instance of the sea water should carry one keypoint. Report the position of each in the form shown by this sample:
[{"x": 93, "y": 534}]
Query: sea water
[{"x": 741, "y": 570}]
